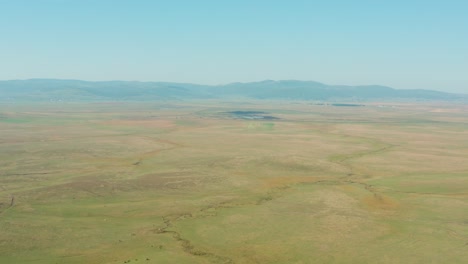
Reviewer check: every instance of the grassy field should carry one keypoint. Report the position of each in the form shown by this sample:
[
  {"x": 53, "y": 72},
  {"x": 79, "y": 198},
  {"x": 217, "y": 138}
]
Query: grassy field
[{"x": 187, "y": 182}]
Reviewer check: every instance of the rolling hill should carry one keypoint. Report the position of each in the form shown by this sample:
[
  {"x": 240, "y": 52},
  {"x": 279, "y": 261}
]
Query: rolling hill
[{"x": 77, "y": 90}]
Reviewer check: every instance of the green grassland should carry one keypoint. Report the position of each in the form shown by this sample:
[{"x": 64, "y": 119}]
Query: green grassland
[{"x": 182, "y": 182}]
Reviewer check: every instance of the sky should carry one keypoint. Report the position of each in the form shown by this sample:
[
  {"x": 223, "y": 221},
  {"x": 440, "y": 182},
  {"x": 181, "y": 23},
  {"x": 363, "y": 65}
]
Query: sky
[{"x": 404, "y": 44}]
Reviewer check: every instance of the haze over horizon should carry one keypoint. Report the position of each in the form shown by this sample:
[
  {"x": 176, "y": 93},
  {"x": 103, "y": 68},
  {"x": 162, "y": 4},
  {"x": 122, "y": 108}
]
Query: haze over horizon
[{"x": 417, "y": 45}]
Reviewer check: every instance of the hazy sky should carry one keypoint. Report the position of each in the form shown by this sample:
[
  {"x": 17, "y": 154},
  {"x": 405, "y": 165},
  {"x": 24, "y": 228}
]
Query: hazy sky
[{"x": 399, "y": 43}]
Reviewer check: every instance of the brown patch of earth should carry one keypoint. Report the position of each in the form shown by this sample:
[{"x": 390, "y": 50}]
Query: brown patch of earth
[{"x": 142, "y": 123}]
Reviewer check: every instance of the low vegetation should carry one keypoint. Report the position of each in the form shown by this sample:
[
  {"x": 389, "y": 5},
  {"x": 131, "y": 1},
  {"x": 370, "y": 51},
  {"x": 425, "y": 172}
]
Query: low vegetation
[{"x": 192, "y": 182}]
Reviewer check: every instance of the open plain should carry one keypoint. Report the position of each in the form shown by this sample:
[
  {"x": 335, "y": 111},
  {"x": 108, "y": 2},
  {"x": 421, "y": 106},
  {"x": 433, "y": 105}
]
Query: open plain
[{"x": 232, "y": 182}]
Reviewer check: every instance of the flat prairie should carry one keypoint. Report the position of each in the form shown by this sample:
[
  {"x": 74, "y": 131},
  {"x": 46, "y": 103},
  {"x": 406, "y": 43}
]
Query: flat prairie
[{"x": 233, "y": 182}]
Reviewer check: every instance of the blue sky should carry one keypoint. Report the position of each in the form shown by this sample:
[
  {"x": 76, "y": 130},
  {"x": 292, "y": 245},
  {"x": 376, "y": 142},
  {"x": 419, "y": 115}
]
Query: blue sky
[{"x": 403, "y": 44}]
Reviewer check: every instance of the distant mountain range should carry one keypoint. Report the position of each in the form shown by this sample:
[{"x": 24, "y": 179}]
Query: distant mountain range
[{"x": 75, "y": 90}]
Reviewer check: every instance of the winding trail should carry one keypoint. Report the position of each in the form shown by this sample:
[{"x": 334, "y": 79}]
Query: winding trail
[
  {"x": 350, "y": 178},
  {"x": 353, "y": 175},
  {"x": 187, "y": 245}
]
